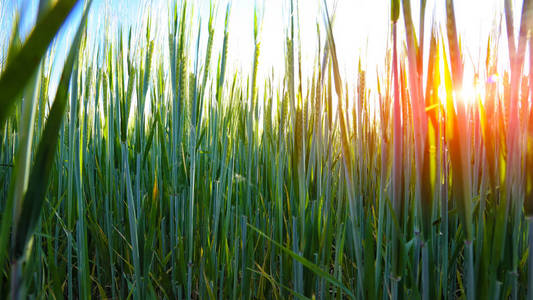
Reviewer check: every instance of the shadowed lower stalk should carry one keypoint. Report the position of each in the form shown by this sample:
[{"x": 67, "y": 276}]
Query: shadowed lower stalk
[
  {"x": 423, "y": 142},
  {"x": 528, "y": 201},
  {"x": 346, "y": 156},
  {"x": 397, "y": 156},
  {"x": 459, "y": 146},
  {"x": 530, "y": 259},
  {"x": 514, "y": 153}
]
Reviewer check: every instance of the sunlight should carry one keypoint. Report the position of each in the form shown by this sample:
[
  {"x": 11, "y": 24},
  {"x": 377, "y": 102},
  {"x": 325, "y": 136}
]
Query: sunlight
[{"x": 470, "y": 94}]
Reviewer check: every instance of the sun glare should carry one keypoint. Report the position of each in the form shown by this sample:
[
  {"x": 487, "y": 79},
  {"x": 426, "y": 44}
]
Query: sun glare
[{"x": 470, "y": 94}]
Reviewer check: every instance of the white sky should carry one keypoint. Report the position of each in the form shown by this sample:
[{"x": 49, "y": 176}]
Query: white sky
[{"x": 361, "y": 28}]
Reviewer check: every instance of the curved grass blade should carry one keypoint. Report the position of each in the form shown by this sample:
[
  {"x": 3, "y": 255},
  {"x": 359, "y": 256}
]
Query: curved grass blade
[
  {"x": 308, "y": 264},
  {"x": 19, "y": 70},
  {"x": 40, "y": 173}
]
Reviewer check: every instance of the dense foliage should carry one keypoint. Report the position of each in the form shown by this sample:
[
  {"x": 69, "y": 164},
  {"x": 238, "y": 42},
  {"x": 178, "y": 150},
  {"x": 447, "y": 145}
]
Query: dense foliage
[{"x": 165, "y": 176}]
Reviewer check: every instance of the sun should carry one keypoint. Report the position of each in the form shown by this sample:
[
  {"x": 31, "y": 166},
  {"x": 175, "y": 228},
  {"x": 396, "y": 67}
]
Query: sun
[{"x": 470, "y": 94}]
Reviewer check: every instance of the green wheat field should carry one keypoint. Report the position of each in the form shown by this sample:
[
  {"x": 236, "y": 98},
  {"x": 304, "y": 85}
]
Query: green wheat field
[{"x": 155, "y": 171}]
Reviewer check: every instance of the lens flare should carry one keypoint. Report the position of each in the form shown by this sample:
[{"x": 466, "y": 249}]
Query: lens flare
[{"x": 494, "y": 78}]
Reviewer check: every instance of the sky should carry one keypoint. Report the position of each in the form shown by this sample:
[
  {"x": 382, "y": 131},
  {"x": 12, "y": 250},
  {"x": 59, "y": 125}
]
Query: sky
[{"x": 361, "y": 28}]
